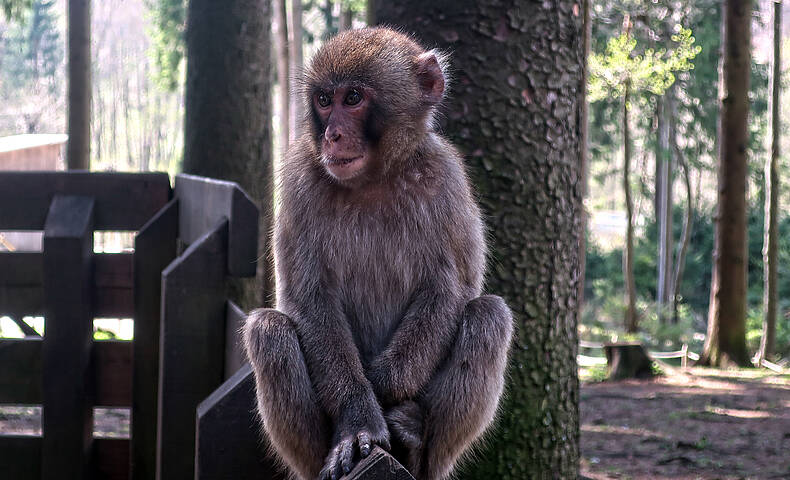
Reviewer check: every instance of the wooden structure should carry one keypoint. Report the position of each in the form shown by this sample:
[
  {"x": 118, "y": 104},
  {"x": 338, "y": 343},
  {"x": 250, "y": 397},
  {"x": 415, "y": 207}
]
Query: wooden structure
[
  {"x": 32, "y": 152},
  {"x": 189, "y": 241},
  {"x": 627, "y": 360}
]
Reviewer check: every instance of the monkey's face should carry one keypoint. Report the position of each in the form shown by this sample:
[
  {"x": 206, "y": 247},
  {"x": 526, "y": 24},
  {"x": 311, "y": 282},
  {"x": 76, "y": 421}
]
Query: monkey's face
[{"x": 342, "y": 113}]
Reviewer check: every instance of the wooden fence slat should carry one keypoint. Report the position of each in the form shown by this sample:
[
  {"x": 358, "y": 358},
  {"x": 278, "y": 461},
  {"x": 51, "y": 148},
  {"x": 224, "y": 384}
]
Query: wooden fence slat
[
  {"x": 20, "y": 457},
  {"x": 67, "y": 417},
  {"x": 22, "y": 289},
  {"x": 110, "y": 459},
  {"x": 379, "y": 465},
  {"x": 235, "y": 357},
  {"x": 21, "y": 384},
  {"x": 124, "y": 201},
  {"x": 192, "y": 347},
  {"x": 204, "y": 202},
  {"x": 155, "y": 248},
  {"x": 228, "y": 442},
  {"x": 20, "y": 376}
]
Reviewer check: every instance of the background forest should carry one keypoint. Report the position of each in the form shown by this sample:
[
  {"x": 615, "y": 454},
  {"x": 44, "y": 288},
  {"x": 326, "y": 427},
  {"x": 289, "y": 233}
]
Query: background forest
[{"x": 649, "y": 177}]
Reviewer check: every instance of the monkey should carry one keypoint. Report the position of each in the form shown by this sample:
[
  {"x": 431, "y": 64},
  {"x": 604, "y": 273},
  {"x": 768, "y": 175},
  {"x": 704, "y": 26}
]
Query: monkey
[{"x": 381, "y": 334}]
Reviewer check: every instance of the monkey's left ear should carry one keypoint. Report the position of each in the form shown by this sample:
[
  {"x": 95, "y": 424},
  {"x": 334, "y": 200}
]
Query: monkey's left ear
[{"x": 430, "y": 78}]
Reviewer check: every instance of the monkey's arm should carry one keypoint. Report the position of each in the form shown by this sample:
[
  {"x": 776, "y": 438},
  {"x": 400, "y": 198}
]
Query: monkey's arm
[{"x": 418, "y": 346}]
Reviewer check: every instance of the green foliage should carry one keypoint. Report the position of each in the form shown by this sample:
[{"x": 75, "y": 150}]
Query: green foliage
[
  {"x": 652, "y": 70},
  {"x": 15, "y": 9},
  {"x": 168, "y": 46}
]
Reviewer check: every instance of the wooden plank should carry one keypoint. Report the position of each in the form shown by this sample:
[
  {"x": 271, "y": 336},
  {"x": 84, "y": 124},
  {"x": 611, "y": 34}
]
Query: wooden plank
[
  {"x": 67, "y": 417},
  {"x": 379, "y": 465},
  {"x": 192, "y": 347},
  {"x": 110, "y": 459},
  {"x": 228, "y": 441},
  {"x": 20, "y": 379},
  {"x": 22, "y": 291},
  {"x": 204, "y": 202},
  {"x": 20, "y": 457},
  {"x": 154, "y": 249},
  {"x": 124, "y": 201},
  {"x": 235, "y": 356}
]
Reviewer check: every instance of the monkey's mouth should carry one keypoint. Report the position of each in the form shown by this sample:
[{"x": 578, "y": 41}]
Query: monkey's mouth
[{"x": 344, "y": 168}]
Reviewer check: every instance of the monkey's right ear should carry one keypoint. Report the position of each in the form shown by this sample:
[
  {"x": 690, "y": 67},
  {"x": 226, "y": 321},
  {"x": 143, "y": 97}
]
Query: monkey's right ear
[{"x": 430, "y": 78}]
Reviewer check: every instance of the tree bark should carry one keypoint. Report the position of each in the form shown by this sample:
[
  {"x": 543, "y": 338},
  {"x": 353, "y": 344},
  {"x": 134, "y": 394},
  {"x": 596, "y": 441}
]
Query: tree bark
[
  {"x": 584, "y": 160},
  {"x": 725, "y": 343},
  {"x": 628, "y": 254},
  {"x": 280, "y": 27},
  {"x": 227, "y": 131},
  {"x": 664, "y": 163},
  {"x": 516, "y": 113},
  {"x": 78, "y": 148},
  {"x": 772, "y": 193},
  {"x": 297, "y": 65},
  {"x": 680, "y": 262}
]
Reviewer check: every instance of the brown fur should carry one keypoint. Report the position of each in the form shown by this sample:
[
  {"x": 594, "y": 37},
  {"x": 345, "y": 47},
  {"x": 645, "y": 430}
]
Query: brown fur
[{"x": 380, "y": 334}]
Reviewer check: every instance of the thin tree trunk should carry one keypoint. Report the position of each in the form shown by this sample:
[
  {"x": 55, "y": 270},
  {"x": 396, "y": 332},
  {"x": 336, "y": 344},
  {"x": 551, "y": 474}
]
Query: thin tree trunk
[
  {"x": 346, "y": 18},
  {"x": 296, "y": 67},
  {"x": 280, "y": 27},
  {"x": 584, "y": 160},
  {"x": 523, "y": 103},
  {"x": 772, "y": 193},
  {"x": 78, "y": 149},
  {"x": 725, "y": 343},
  {"x": 227, "y": 130},
  {"x": 664, "y": 204},
  {"x": 628, "y": 260},
  {"x": 680, "y": 262}
]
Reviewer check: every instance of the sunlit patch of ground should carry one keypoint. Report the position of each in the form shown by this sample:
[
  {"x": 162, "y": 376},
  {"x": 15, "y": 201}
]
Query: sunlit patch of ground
[{"x": 694, "y": 424}]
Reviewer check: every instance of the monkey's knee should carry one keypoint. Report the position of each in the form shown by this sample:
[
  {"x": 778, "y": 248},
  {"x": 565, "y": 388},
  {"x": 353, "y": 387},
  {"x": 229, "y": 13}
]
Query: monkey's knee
[{"x": 487, "y": 326}]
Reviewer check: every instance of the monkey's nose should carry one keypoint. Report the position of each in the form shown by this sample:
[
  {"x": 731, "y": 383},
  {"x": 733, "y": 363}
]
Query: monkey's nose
[{"x": 332, "y": 135}]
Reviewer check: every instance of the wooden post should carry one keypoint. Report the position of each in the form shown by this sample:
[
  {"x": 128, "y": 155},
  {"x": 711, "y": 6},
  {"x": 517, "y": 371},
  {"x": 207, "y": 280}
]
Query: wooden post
[
  {"x": 154, "y": 249},
  {"x": 192, "y": 348},
  {"x": 684, "y": 360},
  {"x": 228, "y": 441},
  {"x": 67, "y": 419},
  {"x": 235, "y": 357},
  {"x": 380, "y": 465}
]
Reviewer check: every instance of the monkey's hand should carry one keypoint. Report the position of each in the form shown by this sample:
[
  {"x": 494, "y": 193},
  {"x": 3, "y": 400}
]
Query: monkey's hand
[
  {"x": 390, "y": 387},
  {"x": 405, "y": 422},
  {"x": 358, "y": 430}
]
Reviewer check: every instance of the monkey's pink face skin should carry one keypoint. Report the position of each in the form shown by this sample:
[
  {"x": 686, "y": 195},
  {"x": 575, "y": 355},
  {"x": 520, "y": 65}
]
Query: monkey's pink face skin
[{"x": 345, "y": 152}]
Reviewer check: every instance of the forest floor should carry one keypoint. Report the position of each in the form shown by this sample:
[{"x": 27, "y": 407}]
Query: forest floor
[{"x": 695, "y": 424}]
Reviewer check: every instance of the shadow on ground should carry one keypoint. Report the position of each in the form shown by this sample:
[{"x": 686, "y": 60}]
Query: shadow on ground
[{"x": 701, "y": 423}]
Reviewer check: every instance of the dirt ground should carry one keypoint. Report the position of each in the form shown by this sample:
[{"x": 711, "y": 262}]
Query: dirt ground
[{"x": 698, "y": 424}]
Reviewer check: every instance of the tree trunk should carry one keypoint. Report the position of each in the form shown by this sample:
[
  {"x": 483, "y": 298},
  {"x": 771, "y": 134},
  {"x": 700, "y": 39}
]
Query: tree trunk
[
  {"x": 280, "y": 27},
  {"x": 584, "y": 160},
  {"x": 725, "y": 343},
  {"x": 680, "y": 262},
  {"x": 664, "y": 204},
  {"x": 770, "y": 239},
  {"x": 628, "y": 254},
  {"x": 78, "y": 148},
  {"x": 516, "y": 114},
  {"x": 346, "y": 18},
  {"x": 227, "y": 131},
  {"x": 296, "y": 67}
]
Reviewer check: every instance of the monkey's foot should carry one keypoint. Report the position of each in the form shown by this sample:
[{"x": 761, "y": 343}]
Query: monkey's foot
[
  {"x": 405, "y": 422},
  {"x": 349, "y": 450}
]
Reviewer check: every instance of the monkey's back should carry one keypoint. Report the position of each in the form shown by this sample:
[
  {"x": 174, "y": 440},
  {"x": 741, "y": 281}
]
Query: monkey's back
[{"x": 375, "y": 248}]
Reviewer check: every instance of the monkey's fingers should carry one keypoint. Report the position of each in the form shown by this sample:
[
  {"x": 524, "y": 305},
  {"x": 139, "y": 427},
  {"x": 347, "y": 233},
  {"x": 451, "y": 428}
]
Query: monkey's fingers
[
  {"x": 339, "y": 461},
  {"x": 363, "y": 439}
]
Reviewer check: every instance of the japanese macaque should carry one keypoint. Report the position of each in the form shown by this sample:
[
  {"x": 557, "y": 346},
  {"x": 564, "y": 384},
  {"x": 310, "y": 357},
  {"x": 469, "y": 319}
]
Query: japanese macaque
[{"x": 381, "y": 335}]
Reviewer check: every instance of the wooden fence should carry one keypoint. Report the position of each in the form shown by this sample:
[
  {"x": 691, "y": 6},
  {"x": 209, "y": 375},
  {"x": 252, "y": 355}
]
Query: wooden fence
[{"x": 190, "y": 240}]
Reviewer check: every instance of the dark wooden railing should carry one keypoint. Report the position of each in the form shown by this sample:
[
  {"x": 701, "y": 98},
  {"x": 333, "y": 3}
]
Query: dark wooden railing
[{"x": 189, "y": 241}]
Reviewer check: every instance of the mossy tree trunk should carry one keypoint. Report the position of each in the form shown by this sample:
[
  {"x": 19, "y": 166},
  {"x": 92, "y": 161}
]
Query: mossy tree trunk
[
  {"x": 725, "y": 343},
  {"x": 228, "y": 110},
  {"x": 515, "y": 111}
]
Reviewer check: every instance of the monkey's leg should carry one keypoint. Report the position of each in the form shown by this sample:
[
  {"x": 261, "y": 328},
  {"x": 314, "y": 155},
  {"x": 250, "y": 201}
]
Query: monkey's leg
[
  {"x": 287, "y": 403},
  {"x": 461, "y": 399}
]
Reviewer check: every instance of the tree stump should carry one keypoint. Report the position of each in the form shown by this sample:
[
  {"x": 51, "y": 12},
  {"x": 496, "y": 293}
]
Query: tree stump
[
  {"x": 627, "y": 360},
  {"x": 379, "y": 465}
]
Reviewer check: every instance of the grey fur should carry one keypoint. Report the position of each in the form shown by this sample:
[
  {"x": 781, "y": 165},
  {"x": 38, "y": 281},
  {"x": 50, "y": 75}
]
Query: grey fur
[{"x": 380, "y": 334}]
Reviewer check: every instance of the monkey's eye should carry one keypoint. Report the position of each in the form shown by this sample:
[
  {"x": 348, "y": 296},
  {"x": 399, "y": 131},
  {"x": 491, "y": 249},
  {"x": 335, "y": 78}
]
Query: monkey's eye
[
  {"x": 323, "y": 99},
  {"x": 353, "y": 97}
]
